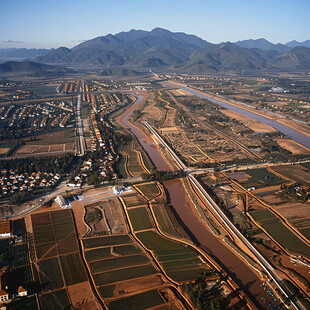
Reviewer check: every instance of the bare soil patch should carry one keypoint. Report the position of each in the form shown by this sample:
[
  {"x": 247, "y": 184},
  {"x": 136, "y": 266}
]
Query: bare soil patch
[
  {"x": 293, "y": 146},
  {"x": 82, "y": 296}
]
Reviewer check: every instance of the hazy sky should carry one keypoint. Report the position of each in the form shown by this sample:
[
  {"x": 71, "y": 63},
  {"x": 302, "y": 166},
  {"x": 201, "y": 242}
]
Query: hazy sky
[{"x": 54, "y": 23}]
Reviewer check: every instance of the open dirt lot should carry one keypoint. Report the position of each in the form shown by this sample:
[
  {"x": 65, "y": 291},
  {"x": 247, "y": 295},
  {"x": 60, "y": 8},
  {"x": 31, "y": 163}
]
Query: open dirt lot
[{"x": 293, "y": 147}]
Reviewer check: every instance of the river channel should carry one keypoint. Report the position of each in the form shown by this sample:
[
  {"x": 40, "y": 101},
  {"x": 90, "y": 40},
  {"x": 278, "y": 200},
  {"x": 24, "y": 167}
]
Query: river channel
[
  {"x": 291, "y": 133},
  {"x": 199, "y": 232}
]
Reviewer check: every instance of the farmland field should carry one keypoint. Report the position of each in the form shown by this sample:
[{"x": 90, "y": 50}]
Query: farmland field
[
  {"x": 140, "y": 219},
  {"x": 43, "y": 234},
  {"x": 118, "y": 262},
  {"x": 149, "y": 190},
  {"x": 41, "y": 219},
  {"x": 186, "y": 275},
  {"x": 50, "y": 274},
  {"x": 55, "y": 301},
  {"x": 47, "y": 250},
  {"x": 154, "y": 241},
  {"x": 123, "y": 274},
  {"x": 132, "y": 200},
  {"x": 138, "y": 302},
  {"x": 107, "y": 290},
  {"x": 163, "y": 220},
  {"x": 102, "y": 253},
  {"x": 280, "y": 232},
  {"x": 295, "y": 172},
  {"x": 106, "y": 241},
  {"x": 73, "y": 268}
]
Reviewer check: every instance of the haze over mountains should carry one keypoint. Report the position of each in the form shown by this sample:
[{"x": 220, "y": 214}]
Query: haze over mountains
[{"x": 160, "y": 48}]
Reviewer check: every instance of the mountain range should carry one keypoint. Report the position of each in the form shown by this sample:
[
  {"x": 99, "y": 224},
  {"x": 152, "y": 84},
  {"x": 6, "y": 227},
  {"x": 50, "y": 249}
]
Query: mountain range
[{"x": 162, "y": 49}]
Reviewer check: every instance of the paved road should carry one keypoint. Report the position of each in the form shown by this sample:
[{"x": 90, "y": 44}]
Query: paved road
[{"x": 79, "y": 129}]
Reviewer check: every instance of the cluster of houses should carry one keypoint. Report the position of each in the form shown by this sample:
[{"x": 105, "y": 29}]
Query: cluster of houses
[
  {"x": 11, "y": 182},
  {"x": 5, "y": 296}
]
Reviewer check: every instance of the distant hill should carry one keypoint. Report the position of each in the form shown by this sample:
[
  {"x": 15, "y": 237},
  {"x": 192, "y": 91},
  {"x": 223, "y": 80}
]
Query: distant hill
[
  {"x": 119, "y": 72},
  {"x": 296, "y": 43},
  {"x": 227, "y": 57},
  {"x": 30, "y": 68},
  {"x": 297, "y": 58},
  {"x": 263, "y": 45},
  {"x": 22, "y": 53}
]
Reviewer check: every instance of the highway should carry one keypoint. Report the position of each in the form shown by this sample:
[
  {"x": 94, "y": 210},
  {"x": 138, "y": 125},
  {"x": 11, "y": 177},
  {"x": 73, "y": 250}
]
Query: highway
[
  {"x": 270, "y": 271},
  {"x": 81, "y": 148}
]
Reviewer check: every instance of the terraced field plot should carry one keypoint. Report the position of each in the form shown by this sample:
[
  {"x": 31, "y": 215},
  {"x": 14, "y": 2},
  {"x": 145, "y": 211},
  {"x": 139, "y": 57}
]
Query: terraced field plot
[
  {"x": 117, "y": 262},
  {"x": 149, "y": 190},
  {"x": 124, "y": 274},
  {"x": 280, "y": 232},
  {"x": 180, "y": 262},
  {"x": 164, "y": 220},
  {"x": 140, "y": 219},
  {"x": 138, "y": 302},
  {"x": 133, "y": 200},
  {"x": 109, "y": 252},
  {"x": 72, "y": 268},
  {"x": 98, "y": 242}
]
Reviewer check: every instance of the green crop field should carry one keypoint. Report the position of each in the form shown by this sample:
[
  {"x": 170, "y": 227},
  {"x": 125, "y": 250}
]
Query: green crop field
[
  {"x": 50, "y": 274},
  {"x": 140, "y": 219},
  {"x": 138, "y": 302},
  {"x": 280, "y": 232},
  {"x": 127, "y": 249},
  {"x": 263, "y": 215},
  {"x": 286, "y": 238},
  {"x": 55, "y": 301},
  {"x": 97, "y": 254},
  {"x": 149, "y": 190},
  {"x": 167, "y": 258},
  {"x": 154, "y": 241},
  {"x": 43, "y": 234},
  {"x": 187, "y": 275},
  {"x": 181, "y": 263},
  {"x": 179, "y": 251},
  {"x": 118, "y": 262},
  {"x": 164, "y": 221},
  {"x": 261, "y": 177},
  {"x": 106, "y": 241},
  {"x": 107, "y": 290},
  {"x": 123, "y": 274},
  {"x": 73, "y": 268}
]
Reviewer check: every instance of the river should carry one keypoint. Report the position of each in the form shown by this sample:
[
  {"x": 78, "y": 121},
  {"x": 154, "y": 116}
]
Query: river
[
  {"x": 291, "y": 133},
  {"x": 199, "y": 232}
]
